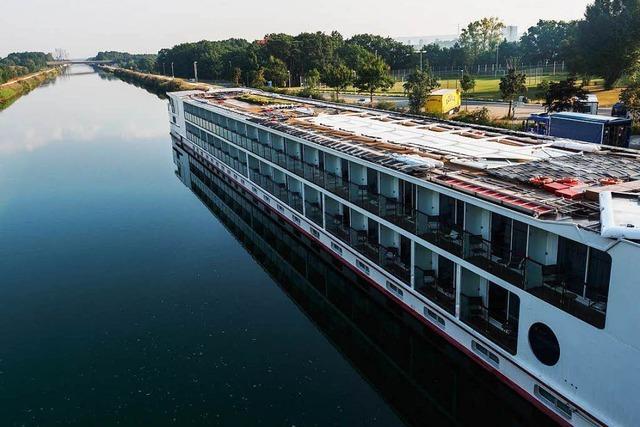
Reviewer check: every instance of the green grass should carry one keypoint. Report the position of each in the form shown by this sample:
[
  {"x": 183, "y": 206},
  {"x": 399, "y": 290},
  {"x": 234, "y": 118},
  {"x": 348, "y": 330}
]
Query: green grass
[
  {"x": 9, "y": 93},
  {"x": 486, "y": 87}
]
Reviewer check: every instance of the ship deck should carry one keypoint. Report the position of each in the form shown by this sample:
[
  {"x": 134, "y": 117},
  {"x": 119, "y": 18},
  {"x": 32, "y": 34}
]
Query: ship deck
[{"x": 493, "y": 164}]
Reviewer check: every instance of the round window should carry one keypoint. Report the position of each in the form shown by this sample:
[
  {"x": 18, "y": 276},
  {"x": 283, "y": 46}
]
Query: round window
[{"x": 544, "y": 344}]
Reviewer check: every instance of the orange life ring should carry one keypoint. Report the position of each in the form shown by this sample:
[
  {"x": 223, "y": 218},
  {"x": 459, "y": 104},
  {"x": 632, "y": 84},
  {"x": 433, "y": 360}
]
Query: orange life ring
[
  {"x": 570, "y": 181},
  {"x": 541, "y": 180},
  {"x": 610, "y": 181}
]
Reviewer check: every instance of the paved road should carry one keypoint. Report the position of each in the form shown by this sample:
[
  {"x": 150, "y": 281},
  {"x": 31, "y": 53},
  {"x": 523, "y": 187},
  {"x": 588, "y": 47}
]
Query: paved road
[
  {"x": 496, "y": 109},
  {"x": 26, "y": 77}
]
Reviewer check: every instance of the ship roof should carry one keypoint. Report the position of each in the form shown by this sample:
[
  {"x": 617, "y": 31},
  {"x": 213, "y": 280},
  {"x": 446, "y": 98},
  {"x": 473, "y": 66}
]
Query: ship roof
[{"x": 498, "y": 165}]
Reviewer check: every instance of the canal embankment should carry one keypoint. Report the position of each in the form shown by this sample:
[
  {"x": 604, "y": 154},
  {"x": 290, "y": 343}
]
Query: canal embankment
[
  {"x": 12, "y": 90},
  {"x": 155, "y": 83}
]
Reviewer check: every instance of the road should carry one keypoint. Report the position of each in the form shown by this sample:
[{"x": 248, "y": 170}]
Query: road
[
  {"x": 496, "y": 108},
  {"x": 26, "y": 77}
]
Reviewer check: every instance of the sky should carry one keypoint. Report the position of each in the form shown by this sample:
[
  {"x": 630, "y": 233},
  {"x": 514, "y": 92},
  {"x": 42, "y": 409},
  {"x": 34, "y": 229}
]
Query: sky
[{"x": 84, "y": 27}]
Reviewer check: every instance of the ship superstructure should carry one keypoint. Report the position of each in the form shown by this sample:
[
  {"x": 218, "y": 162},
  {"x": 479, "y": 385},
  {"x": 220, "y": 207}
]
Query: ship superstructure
[{"x": 518, "y": 249}]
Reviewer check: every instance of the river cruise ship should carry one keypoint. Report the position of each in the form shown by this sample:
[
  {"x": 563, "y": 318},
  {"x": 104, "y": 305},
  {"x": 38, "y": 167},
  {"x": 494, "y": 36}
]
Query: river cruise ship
[{"x": 520, "y": 250}]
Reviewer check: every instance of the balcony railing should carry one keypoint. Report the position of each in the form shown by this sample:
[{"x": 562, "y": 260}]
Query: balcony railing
[
  {"x": 442, "y": 292},
  {"x": 334, "y": 225},
  {"x": 393, "y": 263},
  {"x": 551, "y": 284},
  {"x": 313, "y": 211},
  {"x": 497, "y": 260},
  {"x": 503, "y": 332}
]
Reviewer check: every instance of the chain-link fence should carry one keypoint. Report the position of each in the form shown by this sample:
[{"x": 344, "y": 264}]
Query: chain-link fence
[{"x": 487, "y": 70}]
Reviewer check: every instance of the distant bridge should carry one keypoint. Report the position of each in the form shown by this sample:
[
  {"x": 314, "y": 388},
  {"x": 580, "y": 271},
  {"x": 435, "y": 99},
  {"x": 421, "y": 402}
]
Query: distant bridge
[{"x": 80, "y": 61}]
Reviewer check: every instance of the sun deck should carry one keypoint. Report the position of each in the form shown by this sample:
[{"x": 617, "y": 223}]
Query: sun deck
[{"x": 537, "y": 175}]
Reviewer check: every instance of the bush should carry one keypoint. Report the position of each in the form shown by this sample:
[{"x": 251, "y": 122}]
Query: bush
[
  {"x": 386, "y": 105},
  {"x": 479, "y": 117}
]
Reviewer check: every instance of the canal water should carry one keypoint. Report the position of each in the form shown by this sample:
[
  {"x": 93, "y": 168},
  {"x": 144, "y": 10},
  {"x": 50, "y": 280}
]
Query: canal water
[{"x": 133, "y": 293}]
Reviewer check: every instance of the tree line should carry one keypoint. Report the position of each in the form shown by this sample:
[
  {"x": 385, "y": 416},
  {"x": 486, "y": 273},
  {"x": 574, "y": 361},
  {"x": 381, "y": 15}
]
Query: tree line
[
  {"x": 21, "y": 63},
  {"x": 605, "y": 43},
  {"x": 139, "y": 61}
]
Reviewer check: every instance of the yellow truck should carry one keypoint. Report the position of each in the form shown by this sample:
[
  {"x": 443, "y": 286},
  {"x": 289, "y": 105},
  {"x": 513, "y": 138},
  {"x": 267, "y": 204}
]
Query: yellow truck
[{"x": 443, "y": 102}]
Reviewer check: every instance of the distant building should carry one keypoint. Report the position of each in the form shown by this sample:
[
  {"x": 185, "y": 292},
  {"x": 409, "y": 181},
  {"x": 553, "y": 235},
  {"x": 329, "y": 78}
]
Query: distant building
[
  {"x": 417, "y": 42},
  {"x": 511, "y": 33}
]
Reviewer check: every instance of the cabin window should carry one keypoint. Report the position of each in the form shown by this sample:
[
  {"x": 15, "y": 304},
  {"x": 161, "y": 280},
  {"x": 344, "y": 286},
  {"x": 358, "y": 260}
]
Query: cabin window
[
  {"x": 572, "y": 258},
  {"x": 544, "y": 344},
  {"x": 598, "y": 275}
]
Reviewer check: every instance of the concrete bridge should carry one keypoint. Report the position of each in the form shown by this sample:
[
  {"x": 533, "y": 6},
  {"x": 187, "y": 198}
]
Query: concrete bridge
[{"x": 79, "y": 61}]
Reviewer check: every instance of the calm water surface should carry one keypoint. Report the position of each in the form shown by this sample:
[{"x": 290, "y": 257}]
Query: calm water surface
[{"x": 130, "y": 297}]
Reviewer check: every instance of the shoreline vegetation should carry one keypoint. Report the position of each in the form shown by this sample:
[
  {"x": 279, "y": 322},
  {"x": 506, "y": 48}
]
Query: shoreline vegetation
[
  {"x": 10, "y": 92},
  {"x": 159, "y": 85},
  {"x": 155, "y": 83}
]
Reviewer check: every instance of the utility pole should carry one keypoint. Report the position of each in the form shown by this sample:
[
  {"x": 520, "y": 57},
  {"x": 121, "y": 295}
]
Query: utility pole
[
  {"x": 163, "y": 72},
  {"x": 173, "y": 76},
  {"x": 497, "y": 49},
  {"x": 420, "y": 60},
  {"x": 195, "y": 71}
]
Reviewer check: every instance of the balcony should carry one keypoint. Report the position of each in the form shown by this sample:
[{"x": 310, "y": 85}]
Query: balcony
[
  {"x": 369, "y": 249},
  {"x": 441, "y": 292},
  {"x": 313, "y": 211},
  {"x": 391, "y": 261},
  {"x": 334, "y": 225},
  {"x": 295, "y": 200},
  {"x": 551, "y": 284},
  {"x": 474, "y": 313},
  {"x": 497, "y": 260}
]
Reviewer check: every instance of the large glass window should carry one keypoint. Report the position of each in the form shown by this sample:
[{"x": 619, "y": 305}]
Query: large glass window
[
  {"x": 572, "y": 259},
  {"x": 598, "y": 276}
]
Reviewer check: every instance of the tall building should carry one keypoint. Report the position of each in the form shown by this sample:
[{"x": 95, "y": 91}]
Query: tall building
[{"x": 511, "y": 33}]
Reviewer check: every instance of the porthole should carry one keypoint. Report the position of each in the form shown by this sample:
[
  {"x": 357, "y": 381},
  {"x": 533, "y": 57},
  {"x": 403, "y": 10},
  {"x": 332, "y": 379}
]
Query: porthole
[{"x": 544, "y": 344}]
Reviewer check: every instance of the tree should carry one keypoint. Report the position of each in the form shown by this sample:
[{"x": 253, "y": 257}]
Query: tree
[
  {"x": 258, "y": 78},
  {"x": 631, "y": 98},
  {"x": 467, "y": 83},
  {"x": 311, "y": 82},
  {"x": 237, "y": 76},
  {"x": 565, "y": 95},
  {"x": 512, "y": 84},
  {"x": 312, "y": 79},
  {"x": 418, "y": 86},
  {"x": 338, "y": 77},
  {"x": 396, "y": 54},
  {"x": 546, "y": 41},
  {"x": 276, "y": 71},
  {"x": 481, "y": 36},
  {"x": 608, "y": 39},
  {"x": 373, "y": 76}
]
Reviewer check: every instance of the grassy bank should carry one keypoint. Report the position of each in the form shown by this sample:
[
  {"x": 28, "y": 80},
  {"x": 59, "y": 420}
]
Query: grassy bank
[
  {"x": 155, "y": 83},
  {"x": 10, "y": 92}
]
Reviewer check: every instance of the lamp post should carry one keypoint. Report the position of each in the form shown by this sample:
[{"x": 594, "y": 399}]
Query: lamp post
[
  {"x": 195, "y": 71},
  {"x": 163, "y": 72},
  {"x": 172, "y": 74},
  {"x": 289, "y": 75}
]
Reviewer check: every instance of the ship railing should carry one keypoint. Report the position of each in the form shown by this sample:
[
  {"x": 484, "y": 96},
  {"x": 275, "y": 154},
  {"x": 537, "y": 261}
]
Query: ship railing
[
  {"x": 391, "y": 261},
  {"x": 502, "y": 331},
  {"x": 553, "y": 285},
  {"x": 334, "y": 225},
  {"x": 313, "y": 211},
  {"x": 440, "y": 291}
]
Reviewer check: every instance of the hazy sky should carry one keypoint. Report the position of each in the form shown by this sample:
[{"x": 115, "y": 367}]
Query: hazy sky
[{"x": 84, "y": 27}]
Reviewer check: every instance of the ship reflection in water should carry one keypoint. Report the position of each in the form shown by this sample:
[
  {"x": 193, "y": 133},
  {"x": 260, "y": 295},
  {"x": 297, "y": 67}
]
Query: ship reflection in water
[{"x": 425, "y": 379}]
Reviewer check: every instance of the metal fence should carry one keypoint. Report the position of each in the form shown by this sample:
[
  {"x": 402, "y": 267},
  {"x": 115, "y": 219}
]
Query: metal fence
[{"x": 487, "y": 70}]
